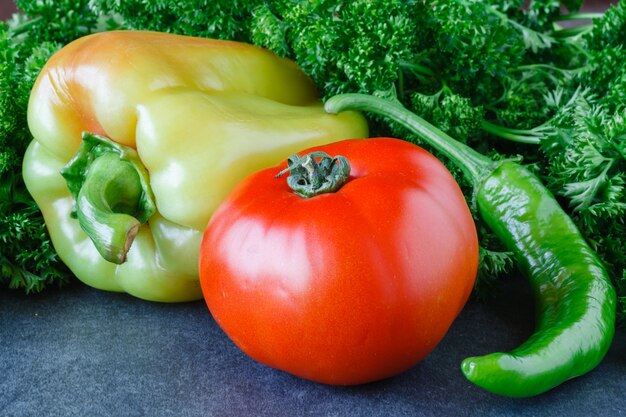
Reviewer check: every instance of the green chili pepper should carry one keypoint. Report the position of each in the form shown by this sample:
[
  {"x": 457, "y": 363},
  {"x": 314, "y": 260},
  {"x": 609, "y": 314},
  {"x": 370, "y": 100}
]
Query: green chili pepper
[{"x": 575, "y": 300}]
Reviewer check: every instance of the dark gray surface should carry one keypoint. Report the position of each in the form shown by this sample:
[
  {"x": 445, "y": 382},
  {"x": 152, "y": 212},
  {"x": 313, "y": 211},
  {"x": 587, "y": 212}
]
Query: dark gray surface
[{"x": 83, "y": 352}]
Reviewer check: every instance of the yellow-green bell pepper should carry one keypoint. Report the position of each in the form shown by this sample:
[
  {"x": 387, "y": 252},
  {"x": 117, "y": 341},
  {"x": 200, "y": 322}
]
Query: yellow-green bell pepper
[{"x": 138, "y": 136}]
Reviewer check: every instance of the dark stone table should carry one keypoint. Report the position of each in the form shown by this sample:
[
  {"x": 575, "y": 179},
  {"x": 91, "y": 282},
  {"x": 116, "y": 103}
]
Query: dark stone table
[{"x": 87, "y": 353}]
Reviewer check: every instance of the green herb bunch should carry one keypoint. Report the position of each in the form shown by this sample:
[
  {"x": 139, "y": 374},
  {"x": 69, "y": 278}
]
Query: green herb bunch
[{"x": 27, "y": 258}]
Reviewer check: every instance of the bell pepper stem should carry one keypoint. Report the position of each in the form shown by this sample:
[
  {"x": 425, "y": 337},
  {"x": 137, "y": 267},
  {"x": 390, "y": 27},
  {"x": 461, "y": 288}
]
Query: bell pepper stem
[
  {"x": 112, "y": 195},
  {"x": 103, "y": 204},
  {"x": 309, "y": 177}
]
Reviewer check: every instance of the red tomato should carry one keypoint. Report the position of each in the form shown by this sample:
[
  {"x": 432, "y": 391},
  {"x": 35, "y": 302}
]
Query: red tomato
[{"x": 346, "y": 287}]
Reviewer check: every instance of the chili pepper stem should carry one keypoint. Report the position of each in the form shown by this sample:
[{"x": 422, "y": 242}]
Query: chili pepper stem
[{"x": 472, "y": 163}]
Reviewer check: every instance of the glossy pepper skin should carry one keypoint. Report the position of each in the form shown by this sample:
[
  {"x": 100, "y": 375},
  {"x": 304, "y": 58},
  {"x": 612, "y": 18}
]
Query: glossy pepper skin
[
  {"x": 200, "y": 115},
  {"x": 575, "y": 300}
]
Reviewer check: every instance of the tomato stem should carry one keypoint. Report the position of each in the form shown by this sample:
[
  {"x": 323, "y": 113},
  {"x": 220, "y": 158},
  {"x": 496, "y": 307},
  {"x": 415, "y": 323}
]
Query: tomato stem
[{"x": 316, "y": 173}]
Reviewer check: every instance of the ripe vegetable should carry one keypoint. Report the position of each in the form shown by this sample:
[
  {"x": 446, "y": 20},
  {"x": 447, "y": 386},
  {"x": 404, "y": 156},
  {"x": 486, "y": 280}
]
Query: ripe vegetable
[
  {"x": 151, "y": 131},
  {"x": 576, "y": 302},
  {"x": 352, "y": 285},
  {"x": 466, "y": 66}
]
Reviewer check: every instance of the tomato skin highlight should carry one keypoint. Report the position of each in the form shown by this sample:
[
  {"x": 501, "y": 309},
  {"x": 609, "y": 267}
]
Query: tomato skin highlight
[{"x": 347, "y": 287}]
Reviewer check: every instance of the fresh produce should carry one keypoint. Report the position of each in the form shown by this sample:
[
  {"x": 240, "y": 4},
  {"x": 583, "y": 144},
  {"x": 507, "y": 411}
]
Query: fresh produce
[
  {"x": 480, "y": 70},
  {"x": 349, "y": 271},
  {"x": 483, "y": 71},
  {"x": 503, "y": 76},
  {"x": 138, "y": 136},
  {"x": 575, "y": 300},
  {"x": 28, "y": 260}
]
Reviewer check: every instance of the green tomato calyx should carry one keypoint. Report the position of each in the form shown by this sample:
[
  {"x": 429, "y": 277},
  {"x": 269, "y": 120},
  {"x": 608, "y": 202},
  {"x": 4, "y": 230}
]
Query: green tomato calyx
[{"x": 316, "y": 173}]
